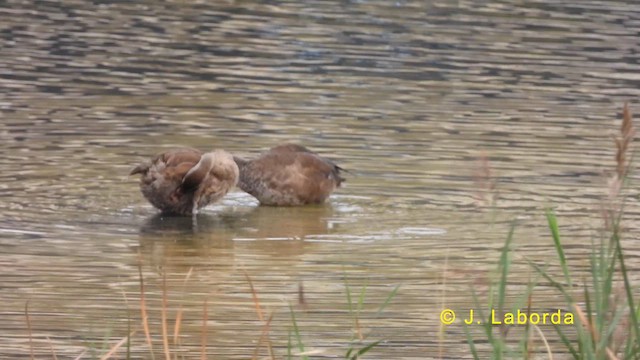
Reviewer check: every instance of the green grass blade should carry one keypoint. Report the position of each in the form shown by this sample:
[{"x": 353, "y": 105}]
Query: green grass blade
[
  {"x": 388, "y": 299},
  {"x": 553, "y": 283},
  {"x": 485, "y": 324},
  {"x": 594, "y": 304},
  {"x": 348, "y": 354},
  {"x": 348, "y": 290},
  {"x": 555, "y": 233},
  {"x": 566, "y": 342},
  {"x": 504, "y": 266},
  {"x": 628, "y": 290},
  {"x": 296, "y": 332},
  {"x": 289, "y": 345},
  {"x": 587, "y": 301},
  {"x": 365, "y": 349},
  {"x": 472, "y": 345},
  {"x": 361, "y": 299}
]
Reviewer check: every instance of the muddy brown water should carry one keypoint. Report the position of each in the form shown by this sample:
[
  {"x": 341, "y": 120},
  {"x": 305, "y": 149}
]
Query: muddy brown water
[{"x": 407, "y": 95}]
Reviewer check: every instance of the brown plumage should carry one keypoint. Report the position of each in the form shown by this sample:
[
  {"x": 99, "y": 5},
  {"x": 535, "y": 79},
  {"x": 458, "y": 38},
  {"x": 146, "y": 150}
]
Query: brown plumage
[
  {"x": 181, "y": 181},
  {"x": 289, "y": 175}
]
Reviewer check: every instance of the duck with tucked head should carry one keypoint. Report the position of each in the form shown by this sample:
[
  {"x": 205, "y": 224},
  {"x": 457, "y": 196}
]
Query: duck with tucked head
[
  {"x": 289, "y": 175},
  {"x": 181, "y": 181}
]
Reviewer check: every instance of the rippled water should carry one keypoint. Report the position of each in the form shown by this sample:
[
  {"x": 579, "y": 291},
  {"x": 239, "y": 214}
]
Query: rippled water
[{"x": 406, "y": 95}]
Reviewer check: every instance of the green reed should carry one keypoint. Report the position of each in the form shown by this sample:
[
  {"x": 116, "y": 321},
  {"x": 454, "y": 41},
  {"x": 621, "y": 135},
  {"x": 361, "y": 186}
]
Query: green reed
[
  {"x": 357, "y": 344},
  {"x": 603, "y": 301}
]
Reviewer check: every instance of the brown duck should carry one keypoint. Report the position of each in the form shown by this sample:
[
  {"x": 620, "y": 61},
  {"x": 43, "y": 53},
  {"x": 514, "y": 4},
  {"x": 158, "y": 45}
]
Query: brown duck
[
  {"x": 181, "y": 181},
  {"x": 289, "y": 175}
]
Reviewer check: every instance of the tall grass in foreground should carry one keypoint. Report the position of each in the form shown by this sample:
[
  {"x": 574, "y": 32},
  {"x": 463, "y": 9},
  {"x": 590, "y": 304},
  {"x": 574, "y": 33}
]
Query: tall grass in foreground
[
  {"x": 169, "y": 333},
  {"x": 605, "y": 308},
  {"x": 497, "y": 305},
  {"x": 357, "y": 344}
]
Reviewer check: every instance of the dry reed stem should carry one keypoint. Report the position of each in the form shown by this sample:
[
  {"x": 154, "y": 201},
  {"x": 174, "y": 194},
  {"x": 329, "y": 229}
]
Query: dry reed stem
[
  {"x": 176, "y": 331},
  {"x": 143, "y": 308},
  {"x": 610, "y": 354},
  {"x": 587, "y": 324},
  {"x": 530, "y": 339},
  {"x": 311, "y": 352},
  {"x": 117, "y": 346},
  {"x": 544, "y": 340},
  {"x": 53, "y": 351},
  {"x": 254, "y": 295},
  {"x": 178, "y": 322},
  {"x": 26, "y": 313},
  {"x": 627, "y": 133},
  {"x": 620, "y": 334},
  {"x": 623, "y": 148},
  {"x": 163, "y": 315},
  {"x": 594, "y": 335},
  {"x": 265, "y": 333},
  {"x": 81, "y": 355},
  {"x": 358, "y": 328},
  {"x": 205, "y": 319},
  {"x": 301, "y": 298},
  {"x": 256, "y": 302},
  {"x": 484, "y": 182}
]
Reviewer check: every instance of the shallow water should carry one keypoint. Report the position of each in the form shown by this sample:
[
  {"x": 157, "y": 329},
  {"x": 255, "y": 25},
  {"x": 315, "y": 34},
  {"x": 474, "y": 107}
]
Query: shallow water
[{"x": 406, "y": 95}]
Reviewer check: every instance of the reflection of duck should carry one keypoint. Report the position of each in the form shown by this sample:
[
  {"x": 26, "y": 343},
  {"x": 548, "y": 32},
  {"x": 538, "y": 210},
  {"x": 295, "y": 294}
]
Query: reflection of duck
[
  {"x": 179, "y": 227},
  {"x": 281, "y": 232},
  {"x": 181, "y": 181},
  {"x": 237, "y": 234},
  {"x": 174, "y": 241},
  {"x": 284, "y": 223},
  {"x": 289, "y": 175}
]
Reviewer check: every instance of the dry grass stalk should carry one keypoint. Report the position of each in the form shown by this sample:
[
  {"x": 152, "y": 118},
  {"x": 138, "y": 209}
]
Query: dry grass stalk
[
  {"x": 301, "y": 298},
  {"x": 163, "y": 315},
  {"x": 81, "y": 355},
  {"x": 205, "y": 319},
  {"x": 627, "y": 132},
  {"x": 611, "y": 211},
  {"x": 254, "y": 295},
  {"x": 176, "y": 331},
  {"x": 143, "y": 308},
  {"x": 178, "y": 322},
  {"x": 263, "y": 335},
  {"x": 623, "y": 150},
  {"x": 530, "y": 338},
  {"x": 53, "y": 351},
  {"x": 623, "y": 329},
  {"x": 26, "y": 313},
  {"x": 587, "y": 323},
  {"x": 117, "y": 346},
  {"x": 485, "y": 183},
  {"x": 256, "y": 302},
  {"x": 594, "y": 334},
  {"x": 359, "y": 329},
  {"x": 544, "y": 340}
]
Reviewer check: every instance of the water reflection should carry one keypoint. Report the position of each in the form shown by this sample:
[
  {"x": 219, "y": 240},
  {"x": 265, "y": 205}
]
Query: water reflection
[
  {"x": 273, "y": 231},
  {"x": 282, "y": 223},
  {"x": 188, "y": 227}
]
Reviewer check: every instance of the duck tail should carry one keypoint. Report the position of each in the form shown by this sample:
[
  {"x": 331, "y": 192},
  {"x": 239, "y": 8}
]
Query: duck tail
[
  {"x": 240, "y": 161},
  {"x": 140, "y": 169},
  {"x": 336, "y": 173}
]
